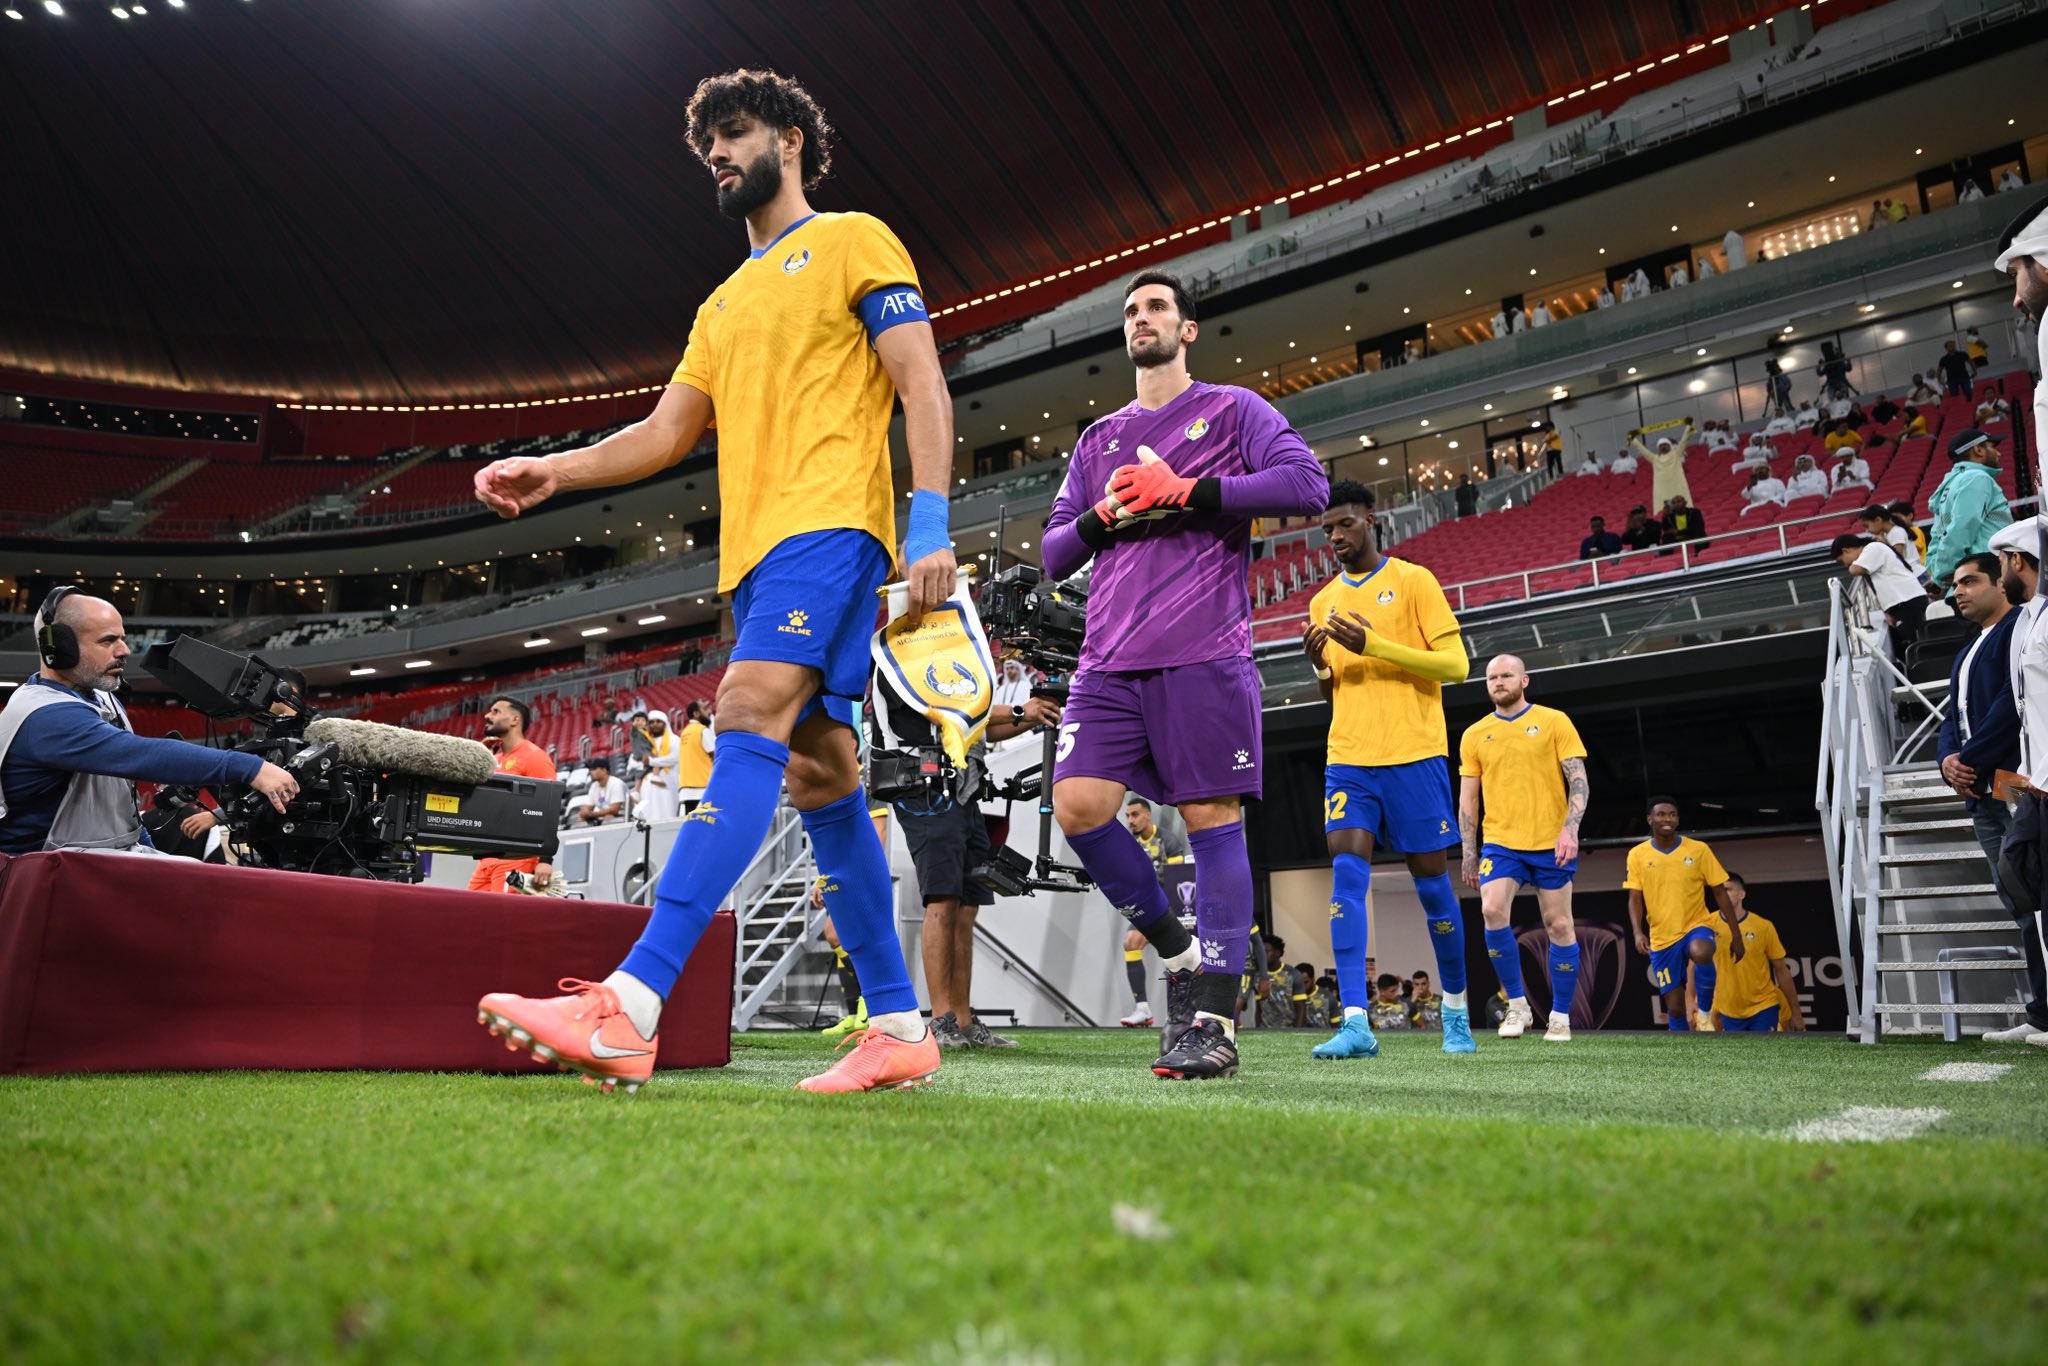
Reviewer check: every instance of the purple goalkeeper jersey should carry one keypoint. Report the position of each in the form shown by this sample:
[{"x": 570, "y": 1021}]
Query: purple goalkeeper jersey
[{"x": 1175, "y": 591}]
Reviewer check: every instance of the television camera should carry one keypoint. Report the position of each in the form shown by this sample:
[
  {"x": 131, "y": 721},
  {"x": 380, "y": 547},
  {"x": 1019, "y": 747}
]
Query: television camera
[
  {"x": 1044, "y": 623},
  {"x": 371, "y": 798}
]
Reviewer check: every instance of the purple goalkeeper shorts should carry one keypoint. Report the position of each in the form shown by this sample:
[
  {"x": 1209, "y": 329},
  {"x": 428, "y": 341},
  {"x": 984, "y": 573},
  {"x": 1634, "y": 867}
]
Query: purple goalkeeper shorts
[{"x": 1185, "y": 734}]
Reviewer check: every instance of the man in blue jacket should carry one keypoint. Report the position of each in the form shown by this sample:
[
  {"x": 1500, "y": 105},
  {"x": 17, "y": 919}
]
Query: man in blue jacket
[
  {"x": 68, "y": 758},
  {"x": 1981, "y": 733},
  {"x": 1968, "y": 507}
]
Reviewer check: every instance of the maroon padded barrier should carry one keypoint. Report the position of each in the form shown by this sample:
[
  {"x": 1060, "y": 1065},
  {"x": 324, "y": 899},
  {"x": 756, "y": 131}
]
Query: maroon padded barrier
[{"x": 120, "y": 963}]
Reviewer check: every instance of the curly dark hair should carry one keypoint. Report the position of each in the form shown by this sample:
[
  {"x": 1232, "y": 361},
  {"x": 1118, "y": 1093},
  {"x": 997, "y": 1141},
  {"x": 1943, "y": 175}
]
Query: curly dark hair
[
  {"x": 1344, "y": 491},
  {"x": 774, "y": 99}
]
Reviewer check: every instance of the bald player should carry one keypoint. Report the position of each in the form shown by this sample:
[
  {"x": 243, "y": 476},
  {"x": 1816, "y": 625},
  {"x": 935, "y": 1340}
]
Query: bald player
[{"x": 1525, "y": 765}]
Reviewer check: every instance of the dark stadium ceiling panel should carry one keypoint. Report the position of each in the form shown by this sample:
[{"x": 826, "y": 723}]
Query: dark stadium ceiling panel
[{"x": 429, "y": 200}]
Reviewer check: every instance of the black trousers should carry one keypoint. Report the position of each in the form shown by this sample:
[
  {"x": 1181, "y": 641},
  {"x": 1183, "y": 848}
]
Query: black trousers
[{"x": 2020, "y": 866}]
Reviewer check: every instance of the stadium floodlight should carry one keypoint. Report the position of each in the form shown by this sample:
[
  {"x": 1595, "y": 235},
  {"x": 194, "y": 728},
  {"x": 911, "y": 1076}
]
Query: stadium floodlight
[
  {"x": 419, "y": 663},
  {"x": 53, "y": 7},
  {"x": 363, "y": 672},
  {"x": 13, "y": 13},
  {"x": 589, "y": 631},
  {"x": 654, "y": 620},
  {"x": 536, "y": 642},
  {"x": 120, "y": 13}
]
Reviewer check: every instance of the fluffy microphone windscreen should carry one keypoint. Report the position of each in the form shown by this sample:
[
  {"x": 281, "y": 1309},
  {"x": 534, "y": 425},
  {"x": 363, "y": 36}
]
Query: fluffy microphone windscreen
[{"x": 392, "y": 749}]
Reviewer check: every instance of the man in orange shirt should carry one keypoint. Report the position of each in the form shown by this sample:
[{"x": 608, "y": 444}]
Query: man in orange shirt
[{"x": 505, "y": 727}]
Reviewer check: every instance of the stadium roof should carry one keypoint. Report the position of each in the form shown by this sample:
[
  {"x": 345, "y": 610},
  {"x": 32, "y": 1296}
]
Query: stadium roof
[{"x": 425, "y": 202}]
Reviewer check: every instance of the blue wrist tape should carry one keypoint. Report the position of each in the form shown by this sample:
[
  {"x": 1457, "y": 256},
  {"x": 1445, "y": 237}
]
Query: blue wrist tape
[{"x": 927, "y": 526}]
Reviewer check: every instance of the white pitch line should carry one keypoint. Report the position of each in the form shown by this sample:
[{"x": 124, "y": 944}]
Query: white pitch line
[
  {"x": 1868, "y": 1124},
  {"x": 1967, "y": 1071}
]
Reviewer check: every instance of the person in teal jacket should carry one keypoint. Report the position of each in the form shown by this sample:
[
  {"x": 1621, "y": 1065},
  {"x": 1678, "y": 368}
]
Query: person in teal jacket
[{"x": 1968, "y": 508}]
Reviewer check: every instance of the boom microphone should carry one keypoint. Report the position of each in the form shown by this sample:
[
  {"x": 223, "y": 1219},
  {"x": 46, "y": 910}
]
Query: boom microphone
[{"x": 393, "y": 749}]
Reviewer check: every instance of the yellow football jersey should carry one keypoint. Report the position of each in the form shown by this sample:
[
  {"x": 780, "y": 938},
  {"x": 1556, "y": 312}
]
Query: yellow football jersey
[
  {"x": 1521, "y": 784},
  {"x": 1742, "y": 989},
  {"x": 1381, "y": 713},
  {"x": 1674, "y": 886},
  {"x": 798, "y": 394}
]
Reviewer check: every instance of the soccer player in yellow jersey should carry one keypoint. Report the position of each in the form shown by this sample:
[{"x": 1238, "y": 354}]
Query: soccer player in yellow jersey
[
  {"x": 798, "y": 358},
  {"x": 1668, "y": 878},
  {"x": 1754, "y": 986},
  {"x": 1528, "y": 766},
  {"x": 1383, "y": 643}
]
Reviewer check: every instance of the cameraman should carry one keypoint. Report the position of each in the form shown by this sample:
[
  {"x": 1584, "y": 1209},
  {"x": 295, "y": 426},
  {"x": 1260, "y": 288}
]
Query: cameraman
[
  {"x": 946, "y": 839},
  {"x": 69, "y": 759}
]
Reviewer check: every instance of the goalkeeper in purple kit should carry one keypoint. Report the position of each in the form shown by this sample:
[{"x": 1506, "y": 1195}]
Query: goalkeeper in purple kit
[{"x": 1165, "y": 702}]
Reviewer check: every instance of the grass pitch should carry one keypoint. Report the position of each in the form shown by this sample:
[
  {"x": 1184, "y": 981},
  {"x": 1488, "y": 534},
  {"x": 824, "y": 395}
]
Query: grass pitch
[{"x": 1616, "y": 1197}]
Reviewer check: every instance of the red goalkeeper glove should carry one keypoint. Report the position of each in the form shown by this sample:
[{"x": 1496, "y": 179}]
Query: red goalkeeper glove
[{"x": 1150, "y": 486}]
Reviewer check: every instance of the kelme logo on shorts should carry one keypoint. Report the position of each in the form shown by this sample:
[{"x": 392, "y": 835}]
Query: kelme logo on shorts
[
  {"x": 799, "y": 622},
  {"x": 796, "y": 261},
  {"x": 1336, "y": 910},
  {"x": 1197, "y": 429}
]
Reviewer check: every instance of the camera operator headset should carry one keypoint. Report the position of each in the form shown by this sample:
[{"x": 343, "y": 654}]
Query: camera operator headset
[{"x": 69, "y": 759}]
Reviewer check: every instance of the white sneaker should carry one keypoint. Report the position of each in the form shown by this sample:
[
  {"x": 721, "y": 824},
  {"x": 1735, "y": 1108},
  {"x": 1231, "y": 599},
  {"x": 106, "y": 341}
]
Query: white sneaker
[
  {"x": 1560, "y": 1028},
  {"x": 1140, "y": 1018},
  {"x": 1520, "y": 1017},
  {"x": 2039, "y": 1038},
  {"x": 2019, "y": 1033},
  {"x": 1703, "y": 1022}
]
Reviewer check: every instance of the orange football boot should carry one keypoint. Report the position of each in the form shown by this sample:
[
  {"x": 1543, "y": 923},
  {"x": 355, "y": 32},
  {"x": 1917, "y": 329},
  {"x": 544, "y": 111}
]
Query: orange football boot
[
  {"x": 585, "y": 1032},
  {"x": 879, "y": 1063}
]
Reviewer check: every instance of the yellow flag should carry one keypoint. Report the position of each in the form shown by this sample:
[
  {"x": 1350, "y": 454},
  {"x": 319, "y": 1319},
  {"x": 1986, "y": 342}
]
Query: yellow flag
[{"x": 941, "y": 667}]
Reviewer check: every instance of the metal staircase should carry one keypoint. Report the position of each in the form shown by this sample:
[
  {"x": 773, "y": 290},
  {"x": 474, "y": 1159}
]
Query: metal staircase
[
  {"x": 778, "y": 932},
  {"x": 1924, "y": 939}
]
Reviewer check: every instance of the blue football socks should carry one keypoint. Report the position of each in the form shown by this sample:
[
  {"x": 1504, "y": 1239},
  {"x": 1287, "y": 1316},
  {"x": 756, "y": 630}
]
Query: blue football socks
[
  {"x": 1350, "y": 879},
  {"x": 852, "y": 860},
  {"x": 1507, "y": 959},
  {"x": 712, "y": 849},
  {"x": 1564, "y": 978},
  {"x": 1446, "y": 930}
]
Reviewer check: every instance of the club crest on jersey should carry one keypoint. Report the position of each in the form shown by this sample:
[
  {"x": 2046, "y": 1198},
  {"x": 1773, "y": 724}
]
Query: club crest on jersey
[
  {"x": 1386, "y": 597},
  {"x": 1197, "y": 429},
  {"x": 796, "y": 261},
  {"x": 1532, "y": 730}
]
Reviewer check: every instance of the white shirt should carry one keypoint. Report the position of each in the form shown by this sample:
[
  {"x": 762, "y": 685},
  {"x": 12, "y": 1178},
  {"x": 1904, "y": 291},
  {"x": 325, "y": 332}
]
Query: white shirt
[
  {"x": 1811, "y": 483},
  {"x": 1592, "y": 466},
  {"x": 1892, "y": 581},
  {"x": 2010, "y": 180},
  {"x": 1706, "y": 268},
  {"x": 1780, "y": 426},
  {"x": 1718, "y": 440},
  {"x": 1908, "y": 548},
  {"x": 1539, "y": 316},
  {"x": 1807, "y": 416},
  {"x": 2030, "y": 672},
  {"x": 1013, "y": 692},
  {"x": 1606, "y": 298},
  {"x": 1839, "y": 407},
  {"x": 1500, "y": 324},
  {"x": 1626, "y": 463},
  {"x": 1852, "y": 471},
  {"x": 612, "y": 793},
  {"x": 1521, "y": 322},
  {"x": 1679, "y": 277},
  {"x": 1972, "y": 192},
  {"x": 1732, "y": 246},
  {"x": 1765, "y": 491}
]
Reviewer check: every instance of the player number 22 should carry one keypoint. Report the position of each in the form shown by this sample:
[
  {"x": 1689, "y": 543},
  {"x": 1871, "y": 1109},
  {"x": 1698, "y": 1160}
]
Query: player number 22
[
  {"x": 1066, "y": 745},
  {"x": 1333, "y": 807}
]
